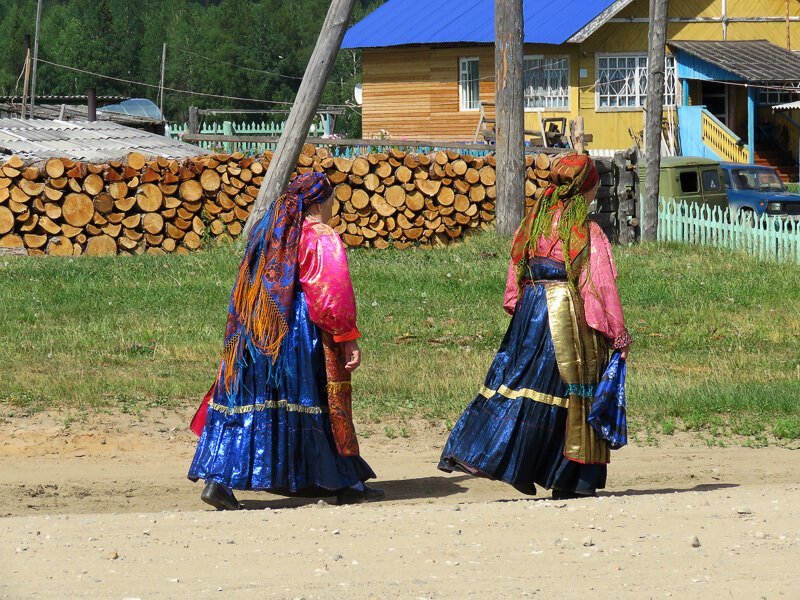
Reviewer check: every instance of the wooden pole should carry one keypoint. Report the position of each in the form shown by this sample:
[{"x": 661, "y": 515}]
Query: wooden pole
[
  {"x": 724, "y": 20},
  {"x": 305, "y": 105},
  {"x": 510, "y": 114},
  {"x": 656, "y": 59},
  {"x": 27, "y": 82},
  {"x": 161, "y": 87},
  {"x": 580, "y": 146},
  {"x": 91, "y": 104},
  {"x": 193, "y": 125},
  {"x": 35, "y": 56}
]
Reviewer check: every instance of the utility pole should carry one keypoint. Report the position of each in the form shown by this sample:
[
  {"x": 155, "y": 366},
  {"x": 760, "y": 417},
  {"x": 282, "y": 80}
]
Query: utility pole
[
  {"x": 302, "y": 112},
  {"x": 35, "y": 55},
  {"x": 91, "y": 104},
  {"x": 788, "y": 27},
  {"x": 161, "y": 87},
  {"x": 656, "y": 67},
  {"x": 27, "y": 82},
  {"x": 510, "y": 114}
]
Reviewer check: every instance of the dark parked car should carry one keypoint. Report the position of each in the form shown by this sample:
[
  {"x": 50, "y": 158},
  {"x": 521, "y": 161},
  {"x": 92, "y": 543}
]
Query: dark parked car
[{"x": 757, "y": 190}]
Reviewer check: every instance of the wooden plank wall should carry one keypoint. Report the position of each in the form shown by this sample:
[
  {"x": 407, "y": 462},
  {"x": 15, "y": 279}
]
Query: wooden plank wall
[{"x": 413, "y": 92}]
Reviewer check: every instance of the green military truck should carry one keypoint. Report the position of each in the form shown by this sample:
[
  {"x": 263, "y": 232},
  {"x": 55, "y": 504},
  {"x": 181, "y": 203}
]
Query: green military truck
[{"x": 689, "y": 178}]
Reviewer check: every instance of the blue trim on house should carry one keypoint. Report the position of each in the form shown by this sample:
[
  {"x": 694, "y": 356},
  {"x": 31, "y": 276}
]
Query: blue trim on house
[
  {"x": 691, "y": 67},
  {"x": 689, "y": 120},
  {"x": 415, "y": 22},
  {"x": 690, "y": 131},
  {"x": 752, "y": 109}
]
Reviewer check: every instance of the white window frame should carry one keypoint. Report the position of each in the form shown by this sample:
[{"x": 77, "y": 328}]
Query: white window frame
[
  {"x": 463, "y": 98},
  {"x": 638, "y": 89},
  {"x": 671, "y": 85},
  {"x": 550, "y": 96},
  {"x": 768, "y": 97}
]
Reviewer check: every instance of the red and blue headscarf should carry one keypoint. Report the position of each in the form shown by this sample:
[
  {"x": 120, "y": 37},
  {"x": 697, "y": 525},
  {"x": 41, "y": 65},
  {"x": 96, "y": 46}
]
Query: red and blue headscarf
[
  {"x": 262, "y": 297},
  {"x": 571, "y": 176}
]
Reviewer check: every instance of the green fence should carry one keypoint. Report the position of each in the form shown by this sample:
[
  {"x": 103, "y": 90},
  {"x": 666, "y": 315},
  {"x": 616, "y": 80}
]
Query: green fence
[
  {"x": 765, "y": 237},
  {"x": 228, "y": 128}
]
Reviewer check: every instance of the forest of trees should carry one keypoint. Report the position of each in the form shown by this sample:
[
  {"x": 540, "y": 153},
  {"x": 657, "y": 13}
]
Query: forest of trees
[{"x": 213, "y": 46}]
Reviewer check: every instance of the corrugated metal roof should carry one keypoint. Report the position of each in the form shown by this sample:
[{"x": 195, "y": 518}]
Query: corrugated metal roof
[
  {"x": 73, "y": 112},
  {"x": 97, "y": 142},
  {"x": 788, "y": 106},
  {"x": 408, "y": 22},
  {"x": 755, "y": 61}
]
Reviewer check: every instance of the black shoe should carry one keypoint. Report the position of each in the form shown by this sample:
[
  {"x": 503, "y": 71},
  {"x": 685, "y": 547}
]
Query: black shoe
[
  {"x": 220, "y": 497},
  {"x": 528, "y": 489},
  {"x": 353, "y": 496},
  {"x": 564, "y": 495}
]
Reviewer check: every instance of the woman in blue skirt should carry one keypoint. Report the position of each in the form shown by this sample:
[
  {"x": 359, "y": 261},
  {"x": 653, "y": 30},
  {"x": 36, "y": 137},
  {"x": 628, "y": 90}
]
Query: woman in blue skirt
[
  {"x": 278, "y": 417},
  {"x": 527, "y": 426}
]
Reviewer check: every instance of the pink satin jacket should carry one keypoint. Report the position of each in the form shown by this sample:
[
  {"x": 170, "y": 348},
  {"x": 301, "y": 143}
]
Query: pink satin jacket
[
  {"x": 325, "y": 280},
  {"x": 598, "y": 288}
]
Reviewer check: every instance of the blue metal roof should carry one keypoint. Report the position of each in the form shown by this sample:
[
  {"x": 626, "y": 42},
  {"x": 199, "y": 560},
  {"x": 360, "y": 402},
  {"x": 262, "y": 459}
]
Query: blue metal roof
[{"x": 406, "y": 22}]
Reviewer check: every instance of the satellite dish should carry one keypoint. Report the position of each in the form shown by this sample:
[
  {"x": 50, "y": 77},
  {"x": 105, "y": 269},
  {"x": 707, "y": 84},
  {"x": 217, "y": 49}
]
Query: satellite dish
[{"x": 358, "y": 94}]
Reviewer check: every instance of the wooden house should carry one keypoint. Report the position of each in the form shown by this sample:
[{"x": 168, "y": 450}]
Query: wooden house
[{"x": 427, "y": 66}]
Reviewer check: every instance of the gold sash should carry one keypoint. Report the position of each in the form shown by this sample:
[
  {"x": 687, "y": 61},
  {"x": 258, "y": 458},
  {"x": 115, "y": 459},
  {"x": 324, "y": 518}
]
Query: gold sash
[{"x": 582, "y": 356}]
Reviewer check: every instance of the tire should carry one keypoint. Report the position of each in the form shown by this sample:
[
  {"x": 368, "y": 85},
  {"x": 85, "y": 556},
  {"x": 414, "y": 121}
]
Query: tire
[{"x": 746, "y": 216}]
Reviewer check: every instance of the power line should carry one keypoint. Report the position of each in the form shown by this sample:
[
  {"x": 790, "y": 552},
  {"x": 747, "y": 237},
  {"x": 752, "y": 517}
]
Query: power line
[
  {"x": 230, "y": 64},
  {"x": 251, "y": 69},
  {"x": 150, "y": 85}
]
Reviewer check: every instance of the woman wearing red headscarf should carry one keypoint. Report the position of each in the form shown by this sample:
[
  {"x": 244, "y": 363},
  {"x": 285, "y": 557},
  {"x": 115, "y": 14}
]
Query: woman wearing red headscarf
[{"x": 528, "y": 425}]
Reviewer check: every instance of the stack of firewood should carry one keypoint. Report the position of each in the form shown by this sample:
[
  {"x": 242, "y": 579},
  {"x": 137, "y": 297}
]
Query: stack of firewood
[
  {"x": 398, "y": 199},
  {"x": 68, "y": 208},
  {"x": 401, "y": 199}
]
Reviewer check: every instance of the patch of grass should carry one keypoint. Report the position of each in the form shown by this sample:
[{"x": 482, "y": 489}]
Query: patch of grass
[
  {"x": 786, "y": 429},
  {"x": 716, "y": 334},
  {"x": 667, "y": 425}
]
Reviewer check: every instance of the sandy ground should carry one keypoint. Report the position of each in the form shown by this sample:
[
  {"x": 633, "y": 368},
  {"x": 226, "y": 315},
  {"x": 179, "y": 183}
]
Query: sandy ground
[{"x": 102, "y": 509}]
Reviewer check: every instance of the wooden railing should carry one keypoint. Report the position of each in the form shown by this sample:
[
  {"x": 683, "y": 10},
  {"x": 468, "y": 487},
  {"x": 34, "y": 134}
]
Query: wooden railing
[
  {"x": 350, "y": 148},
  {"x": 765, "y": 237},
  {"x": 726, "y": 144}
]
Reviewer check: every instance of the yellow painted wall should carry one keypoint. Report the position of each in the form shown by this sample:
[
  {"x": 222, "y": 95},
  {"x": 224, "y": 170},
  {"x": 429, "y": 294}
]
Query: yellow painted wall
[{"x": 413, "y": 92}]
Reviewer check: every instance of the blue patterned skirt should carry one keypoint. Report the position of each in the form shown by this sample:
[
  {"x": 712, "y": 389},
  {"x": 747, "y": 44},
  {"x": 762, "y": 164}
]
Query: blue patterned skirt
[
  {"x": 279, "y": 439},
  {"x": 514, "y": 430}
]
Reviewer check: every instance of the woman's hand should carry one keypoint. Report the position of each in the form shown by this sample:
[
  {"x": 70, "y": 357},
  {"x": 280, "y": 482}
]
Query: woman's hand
[
  {"x": 352, "y": 354},
  {"x": 623, "y": 352}
]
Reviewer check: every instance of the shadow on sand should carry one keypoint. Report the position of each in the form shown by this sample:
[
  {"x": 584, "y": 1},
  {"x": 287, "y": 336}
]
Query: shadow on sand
[
  {"x": 396, "y": 489},
  {"x": 543, "y": 494},
  {"x": 703, "y": 487}
]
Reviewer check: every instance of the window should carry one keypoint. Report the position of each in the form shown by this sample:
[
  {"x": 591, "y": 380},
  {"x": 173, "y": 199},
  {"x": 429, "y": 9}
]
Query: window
[
  {"x": 757, "y": 179},
  {"x": 546, "y": 82},
  {"x": 688, "y": 181},
  {"x": 468, "y": 83},
  {"x": 670, "y": 82},
  {"x": 622, "y": 81},
  {"x": 768, "y": 97},
  {"x": 711, "y": 182}
]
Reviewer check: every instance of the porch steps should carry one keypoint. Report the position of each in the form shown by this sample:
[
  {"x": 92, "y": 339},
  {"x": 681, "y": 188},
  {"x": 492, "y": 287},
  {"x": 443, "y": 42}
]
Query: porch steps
[{"x": 779, "y": 160}]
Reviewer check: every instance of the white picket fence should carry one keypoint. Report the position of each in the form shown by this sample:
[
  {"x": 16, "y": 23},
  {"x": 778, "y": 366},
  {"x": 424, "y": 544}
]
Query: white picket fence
[{"x": 765, "y": 237}]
